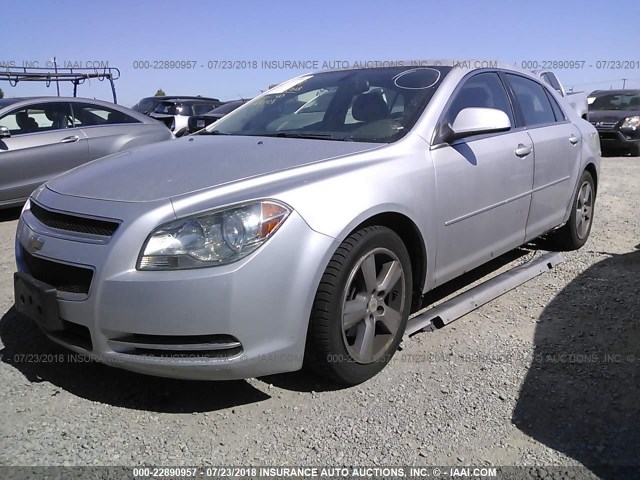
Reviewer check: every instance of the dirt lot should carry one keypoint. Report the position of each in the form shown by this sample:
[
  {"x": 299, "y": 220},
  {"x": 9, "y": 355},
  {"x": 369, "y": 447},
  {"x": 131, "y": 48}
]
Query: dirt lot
[{"x": 548, "y": 374}]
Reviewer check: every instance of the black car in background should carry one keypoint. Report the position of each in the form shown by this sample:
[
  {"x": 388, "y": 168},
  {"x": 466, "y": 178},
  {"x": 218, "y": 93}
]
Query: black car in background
[
  {"x": 148, "y": 104},
  {"x": 175, "y": 113},
  {"x": 616, "y": 116},
  {"x": 198, "y": 122}
]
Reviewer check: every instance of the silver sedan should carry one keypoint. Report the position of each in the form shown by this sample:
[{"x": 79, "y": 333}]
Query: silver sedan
[
  {"x": 260, "y": 245},
  {"x": 44, "y": 136}
]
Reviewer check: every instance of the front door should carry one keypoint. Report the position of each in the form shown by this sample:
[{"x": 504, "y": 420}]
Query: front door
[{"x": 483, "y": 184}]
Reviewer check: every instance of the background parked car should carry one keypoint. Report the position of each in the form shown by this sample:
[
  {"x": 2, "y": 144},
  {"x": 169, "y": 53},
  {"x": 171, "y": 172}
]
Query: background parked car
[
  {"x": 198, "y": 122},
  {"x": 616, "y": 116},
  {"x": 41, "y": 137},
  {"x": 175, "y": 113},
  {"x": 148, "y": 104}
]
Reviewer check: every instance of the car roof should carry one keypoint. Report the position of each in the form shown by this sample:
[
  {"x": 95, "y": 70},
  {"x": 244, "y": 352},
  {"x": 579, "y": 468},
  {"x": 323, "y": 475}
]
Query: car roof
[
  {"x": 470, "y": 64},
  {"x": 190, "y": 100},
  {"x": 4, "y": 102},
  {"x": 627, "y": 91},
  {"x": 181, "y": 97},
  {"x": 53, "y": 98}
]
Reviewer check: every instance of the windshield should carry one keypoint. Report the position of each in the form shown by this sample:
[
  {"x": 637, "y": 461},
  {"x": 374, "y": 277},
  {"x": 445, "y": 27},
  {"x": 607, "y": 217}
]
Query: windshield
[
  {"x": 145, "y": 105},
  {"x": 369, "y": 105},
  {"x": 202, "y": 108},
  {"x": 617, "y": 101},
  {"x": 172, "y": 108}
]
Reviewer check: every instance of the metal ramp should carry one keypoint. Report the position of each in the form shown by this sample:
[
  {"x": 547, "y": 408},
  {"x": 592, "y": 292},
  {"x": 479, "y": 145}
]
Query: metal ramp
[{"x": 433, "y": 318}]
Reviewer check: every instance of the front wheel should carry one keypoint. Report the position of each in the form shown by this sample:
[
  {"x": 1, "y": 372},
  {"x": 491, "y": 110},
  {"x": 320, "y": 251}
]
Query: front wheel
[
  {"x": 361, "y": 307},
  {"x": 574, "y": 234}
]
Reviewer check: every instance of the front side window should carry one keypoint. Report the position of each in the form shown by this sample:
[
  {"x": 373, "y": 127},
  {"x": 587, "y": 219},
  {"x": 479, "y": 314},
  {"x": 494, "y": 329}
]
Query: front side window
[
  {"x": 85, "y": 115},
  {"x": 369, "y": 105},
  {"x": 533, "y": 101},
  {"x": 484, "y": 90},
  {"x": 42, "y": 117}
]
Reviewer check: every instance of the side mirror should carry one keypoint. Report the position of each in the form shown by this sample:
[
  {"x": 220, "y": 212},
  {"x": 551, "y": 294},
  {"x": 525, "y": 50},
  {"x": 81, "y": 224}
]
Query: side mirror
[
  {"x": 475, "y": 121},
  {"x": 4, "y": 132}
]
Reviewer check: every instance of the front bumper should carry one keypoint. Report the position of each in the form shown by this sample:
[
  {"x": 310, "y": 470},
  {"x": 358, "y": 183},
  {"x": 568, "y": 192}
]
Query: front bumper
[
  {"x": 253, "y": 313},
  {"x": 618, "y": 138}
]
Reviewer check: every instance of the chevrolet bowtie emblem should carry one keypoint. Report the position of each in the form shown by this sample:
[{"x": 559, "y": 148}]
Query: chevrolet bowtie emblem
[{"x": 35, "y": 243}]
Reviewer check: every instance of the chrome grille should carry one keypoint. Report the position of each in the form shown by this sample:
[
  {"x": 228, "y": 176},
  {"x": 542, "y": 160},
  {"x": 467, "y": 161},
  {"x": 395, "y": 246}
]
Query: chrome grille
[{"x": 72, "y": 223}]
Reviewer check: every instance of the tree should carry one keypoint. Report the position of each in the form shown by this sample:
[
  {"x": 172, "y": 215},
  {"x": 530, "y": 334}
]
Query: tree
[
  {"x": 1, "y": 93},
  {"x": 160, "y": 93}
]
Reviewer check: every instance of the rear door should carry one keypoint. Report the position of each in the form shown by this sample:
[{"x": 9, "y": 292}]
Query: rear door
[
  {"x": 43, "y": 144},
  {"x": 557, "y": 145},
  {"x": 106, "y": 129},
  {"x": 483, "y": 184}
]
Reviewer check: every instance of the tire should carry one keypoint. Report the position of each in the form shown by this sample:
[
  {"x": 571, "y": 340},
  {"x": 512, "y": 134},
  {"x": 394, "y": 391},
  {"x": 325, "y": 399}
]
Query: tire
[
  {"x": 635, "y": 150},
  {"x": 349, "y": 347},
  {"x": 574, "y": 234}
]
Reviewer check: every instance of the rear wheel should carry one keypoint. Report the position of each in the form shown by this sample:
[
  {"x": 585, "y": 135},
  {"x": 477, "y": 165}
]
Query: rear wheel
[
  {"x": 575, "y": 232},
  {"x": 361, "y": 308}
]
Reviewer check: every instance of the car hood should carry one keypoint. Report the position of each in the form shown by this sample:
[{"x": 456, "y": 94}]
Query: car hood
[
  {"x": 177, "y": 167},
  {"x": 611, "y": 115}
]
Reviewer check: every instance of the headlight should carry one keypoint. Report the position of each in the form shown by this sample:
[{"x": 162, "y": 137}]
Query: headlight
[
  {"x": 27, "y": 206},
  {"x": 631, "y": 122},
  {"x": 214, "y": 238}
]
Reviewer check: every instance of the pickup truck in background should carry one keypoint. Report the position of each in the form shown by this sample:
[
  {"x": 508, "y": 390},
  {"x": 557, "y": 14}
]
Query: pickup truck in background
[{"x": 578, "y": 100}]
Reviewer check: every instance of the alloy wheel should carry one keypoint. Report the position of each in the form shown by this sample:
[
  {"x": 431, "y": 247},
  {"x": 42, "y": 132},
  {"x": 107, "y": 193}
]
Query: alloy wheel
[{"x": 373, "y": 304}]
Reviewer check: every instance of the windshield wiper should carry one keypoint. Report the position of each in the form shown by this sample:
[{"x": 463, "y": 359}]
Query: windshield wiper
[
  {"x": 316, "y": 136},
  {"x": 204, "y": 131}
]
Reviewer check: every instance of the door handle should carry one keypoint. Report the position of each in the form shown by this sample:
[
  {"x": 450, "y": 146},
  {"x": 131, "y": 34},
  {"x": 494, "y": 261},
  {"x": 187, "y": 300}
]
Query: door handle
[
  {"x": 71, "y": 139},
  {"x": 522, "y": 150},
  {"x": 573, "y": 139}
]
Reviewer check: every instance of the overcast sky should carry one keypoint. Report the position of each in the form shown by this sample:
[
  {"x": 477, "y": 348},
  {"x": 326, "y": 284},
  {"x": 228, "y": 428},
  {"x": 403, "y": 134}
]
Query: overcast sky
[{"x": 128, "y": 34}]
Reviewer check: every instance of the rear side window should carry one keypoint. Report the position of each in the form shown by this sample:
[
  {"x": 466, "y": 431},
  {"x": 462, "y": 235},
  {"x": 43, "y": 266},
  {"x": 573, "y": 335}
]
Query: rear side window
[
  {"x": 484, "y": 90},
  {"x": 557, "y": 111},
  {"x": 85, "y": 114},
  {"x": 533, "y": 101}
]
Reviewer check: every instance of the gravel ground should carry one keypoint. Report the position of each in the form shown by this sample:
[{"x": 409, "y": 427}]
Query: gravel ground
[{"x": 546, "y": 375}]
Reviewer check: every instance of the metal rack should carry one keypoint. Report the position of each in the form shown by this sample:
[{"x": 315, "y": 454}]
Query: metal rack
[{"x": 77, "y": 76}]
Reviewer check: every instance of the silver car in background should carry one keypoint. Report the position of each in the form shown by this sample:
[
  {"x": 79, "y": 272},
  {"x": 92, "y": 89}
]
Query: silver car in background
[
  {"x": 254, "y": 247},
  {"x": 43, "y": 137}
]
